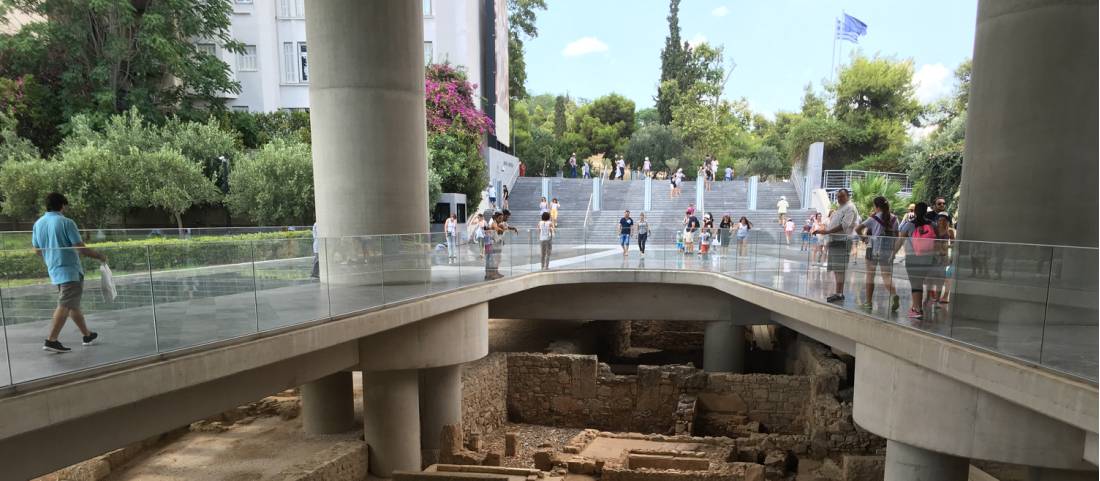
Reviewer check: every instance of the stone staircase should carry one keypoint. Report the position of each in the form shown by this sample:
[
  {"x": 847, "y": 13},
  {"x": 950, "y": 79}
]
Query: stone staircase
[{"x": 665, "y": 215}]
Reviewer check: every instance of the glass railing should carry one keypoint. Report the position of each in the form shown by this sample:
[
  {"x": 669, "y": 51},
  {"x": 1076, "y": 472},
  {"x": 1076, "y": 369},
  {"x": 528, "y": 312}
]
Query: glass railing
[{"x": 1030, "y": 302}]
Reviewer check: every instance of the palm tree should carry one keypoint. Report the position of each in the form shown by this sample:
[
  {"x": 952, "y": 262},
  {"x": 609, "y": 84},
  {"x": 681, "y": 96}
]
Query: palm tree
[{"x": 865, "y": 190}]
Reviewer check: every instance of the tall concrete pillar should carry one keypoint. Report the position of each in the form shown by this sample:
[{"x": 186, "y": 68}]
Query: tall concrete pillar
[
  {"x": 1031, "y": 131},
  {"x": 723, "y": 347},
  {"x": 328, "y": 405},
  {"x": 1031, "y": 139},
  {"x": 910, "y": 463},
  {"x": 440, "y": 405},
  {"x": 391, "y": 420},
  {"x": 366, "y": 90}
]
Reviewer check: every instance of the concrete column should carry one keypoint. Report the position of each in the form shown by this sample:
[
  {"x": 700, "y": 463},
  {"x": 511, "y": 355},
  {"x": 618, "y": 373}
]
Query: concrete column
[
  {"x": 366, "y": 91},
  {"x": 328, "y": 405},
  {"x": 1032, "y": 123},
  {"x": 723, "y": 347},
  {"x": 391, "y": 420},
  {"x": 440, "y": 404},
  {"x": 754, "y": 182},
  {"x": 910, "y": 463}
]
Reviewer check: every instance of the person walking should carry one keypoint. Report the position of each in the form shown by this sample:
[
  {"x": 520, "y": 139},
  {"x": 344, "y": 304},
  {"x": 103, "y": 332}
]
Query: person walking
[
  {"x": 57, "y": 241},
  {"x": 450, "y": 227},
  {"x": 729, "y": 173},
  {"x": 646, "y": 167},
  {"x": 626, "y": 227},
  {"x": 586, "y": 170},
  {"x": 504, "y": 197},
  {"x": 724, "y": 232},
  {"x": 642, "y": 228},
  {"x": 316, "y": 271},
  {"x": 806, "y": 229},
  {"x": 546, "y": 238},
  {"x": 691, "y": 226},
  {"x": 554, "y": 207},
  {"x": 492, "y": 196},
  {"x": 940, "y": 276},
  {"x": 839, "y": 231},
  {"x": 920, "y": 248},
  {"x": 573, "y": 166},
  {"x": 743, "y": 228},
  {"x": 817, "y": 241},
  {"x": 782, "y": 206},
  {"x": 544, "y": 207},
  {"x": 708, "y": 228},
  {"x": 788, "y": 230},
  {"x": 879, "y": 232}
]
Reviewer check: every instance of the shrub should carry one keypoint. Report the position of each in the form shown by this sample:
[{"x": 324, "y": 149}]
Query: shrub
[
  {"x": 24, "y": 185},
  {"x": 274, "y": 185}
]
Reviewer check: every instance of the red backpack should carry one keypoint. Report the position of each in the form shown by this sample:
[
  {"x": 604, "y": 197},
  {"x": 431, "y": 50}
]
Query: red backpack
[{"x": 924, "y": 240}]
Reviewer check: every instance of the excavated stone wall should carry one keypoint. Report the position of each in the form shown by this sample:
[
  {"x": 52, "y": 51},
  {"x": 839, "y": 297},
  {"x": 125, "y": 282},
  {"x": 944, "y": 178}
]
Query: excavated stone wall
[{"x": 485, "y": 393}]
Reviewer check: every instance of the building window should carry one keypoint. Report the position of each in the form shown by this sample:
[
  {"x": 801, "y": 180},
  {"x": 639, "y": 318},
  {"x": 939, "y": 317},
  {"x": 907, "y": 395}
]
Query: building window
[
  {"x": 427, "y": 8},
  {"x": 427, "y": 53},
  {"x": 303, "y": 63},
  {"x": 245, "y": 2},
  {"x": 208, "y": 48},
  {"x": 240, "y": 108},
  {"x": 292, "y": 9},
  {"x": 295, "y": 63},
  {"x": 246, "y": 61}
]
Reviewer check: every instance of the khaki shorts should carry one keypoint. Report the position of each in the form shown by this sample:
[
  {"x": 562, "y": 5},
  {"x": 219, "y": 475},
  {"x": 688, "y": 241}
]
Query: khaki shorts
[
  {"x": 69, "y": 294},
  {"x": 689, "y": 237}
]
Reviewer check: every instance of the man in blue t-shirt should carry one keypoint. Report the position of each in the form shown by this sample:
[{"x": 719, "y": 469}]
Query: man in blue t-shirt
[
  {"x": 626, "y": 227},
  {"x": 56, "y": 239}
]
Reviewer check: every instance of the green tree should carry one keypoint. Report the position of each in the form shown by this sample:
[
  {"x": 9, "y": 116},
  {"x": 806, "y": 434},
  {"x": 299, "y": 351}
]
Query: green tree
[
  {"x": 865, "y": 190},
  {"x": 658, "y": 142},
  {"x": 766, "y": 162},
  {"x": 605, "y": 124},
  {"x": 560, "y": 122},
  {"x": 98, "y": 183},
  {"x": 12, "y": 100},
  {"x": 273, "y": 185},
  {"x": 202, "y": 143},
  {"x": 108, "y": 56},
  {"x": 24, "y": 184},
  {"x": 455, "y": 157},
  {"x": 674, "y": 59},
  {"x": 935, "y": 163},
  {"x": 645, "y": 117},
  {"x": 167, "y": 180}
]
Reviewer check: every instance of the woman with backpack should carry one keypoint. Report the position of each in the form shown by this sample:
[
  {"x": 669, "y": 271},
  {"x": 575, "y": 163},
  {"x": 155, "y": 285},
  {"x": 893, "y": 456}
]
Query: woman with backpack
[
  {"x": 920, "y": 256},
  {"x": 883, "y": 229}
]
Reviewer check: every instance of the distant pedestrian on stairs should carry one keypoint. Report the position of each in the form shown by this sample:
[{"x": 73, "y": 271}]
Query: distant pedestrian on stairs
[
  {"x": 646, "y": 166},
  {"x": 782, "y": 206},
  {"x": 573, "y": 166}
]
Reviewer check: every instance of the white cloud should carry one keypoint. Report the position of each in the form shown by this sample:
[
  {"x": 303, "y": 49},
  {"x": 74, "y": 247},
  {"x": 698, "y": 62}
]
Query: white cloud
[
  {"x": 584, "y": 46},
  {"x": 932, "y": 82},
  {"x": 720, "y": 11},
  {"x": 697, "y": 39}
]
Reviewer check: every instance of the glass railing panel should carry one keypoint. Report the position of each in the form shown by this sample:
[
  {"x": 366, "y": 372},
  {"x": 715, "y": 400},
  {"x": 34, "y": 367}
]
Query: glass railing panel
[
  {"x": 1070, "y": 331},
  {"x": 5, "y": 353},
  {"x": 288, "y": 282},
  {"x": 203, "y": 292},
  {"x": 445, "y": 273},
  {"x": 406, "y": 265},
  {"x": 352, "y": 268},
  {"x": 125, "y": 325}
]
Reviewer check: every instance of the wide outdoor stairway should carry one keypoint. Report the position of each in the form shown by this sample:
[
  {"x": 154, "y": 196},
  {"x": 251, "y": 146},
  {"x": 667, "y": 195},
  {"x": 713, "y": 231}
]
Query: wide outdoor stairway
[{"x": 665, "y": 215}]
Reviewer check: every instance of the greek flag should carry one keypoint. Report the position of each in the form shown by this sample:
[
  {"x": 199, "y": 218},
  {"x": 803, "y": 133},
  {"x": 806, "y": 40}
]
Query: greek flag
[{"x": 850, "y": 28}]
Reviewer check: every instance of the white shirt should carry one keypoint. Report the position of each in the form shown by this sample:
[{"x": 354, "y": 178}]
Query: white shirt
[
  {"x": 846, "y": 217},
  {"x": 492, "y": 191},
  {"x": 782, "y": 206},
  {"x": 645, "y": 165},
  {"x": 451, "y": 226},
  {"x": 544, "y": 230}
]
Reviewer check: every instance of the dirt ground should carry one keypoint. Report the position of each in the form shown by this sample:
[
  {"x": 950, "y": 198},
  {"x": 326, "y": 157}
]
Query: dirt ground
[
  {"x": 255, "y": 447},
  {"x": 529, "y": 437}
]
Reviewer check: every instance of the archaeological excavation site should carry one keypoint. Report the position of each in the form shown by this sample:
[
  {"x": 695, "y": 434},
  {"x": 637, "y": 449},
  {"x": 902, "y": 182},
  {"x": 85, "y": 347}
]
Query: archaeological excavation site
[{"x": 601, "y": 400}]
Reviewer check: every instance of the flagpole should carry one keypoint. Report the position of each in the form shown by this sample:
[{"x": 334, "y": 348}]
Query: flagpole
[{"x": 832, "y": 66}]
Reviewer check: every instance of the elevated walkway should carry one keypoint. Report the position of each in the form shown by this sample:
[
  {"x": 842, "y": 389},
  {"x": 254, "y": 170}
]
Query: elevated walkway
[{"x": 216, "y": 348}]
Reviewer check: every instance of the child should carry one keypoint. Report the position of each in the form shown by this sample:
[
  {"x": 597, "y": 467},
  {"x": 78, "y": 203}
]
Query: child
[
  {"x": 788, "y": 230},
  {"x": 704, "y": 241},
  {"x": 680, "y": 241}
]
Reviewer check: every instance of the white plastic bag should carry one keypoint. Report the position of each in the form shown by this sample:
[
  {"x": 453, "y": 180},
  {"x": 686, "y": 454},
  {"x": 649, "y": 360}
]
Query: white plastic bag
[{"x": 107, "y": 283}]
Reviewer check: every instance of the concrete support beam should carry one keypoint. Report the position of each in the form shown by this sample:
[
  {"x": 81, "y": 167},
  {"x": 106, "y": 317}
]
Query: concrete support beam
[
  {"x": 910, "y": 463},
  {"x": 908, "y": 404},
  {"x": 440, "y": 405},
  {"x": 328, "y": 405},
  {"x": 391, "y": 420},
  {"x": 447, "y": 339},
  {"x": 638, "y": 302},
  {"x": 723, "y": 347},
  {"x": 1043, "y": 474}
]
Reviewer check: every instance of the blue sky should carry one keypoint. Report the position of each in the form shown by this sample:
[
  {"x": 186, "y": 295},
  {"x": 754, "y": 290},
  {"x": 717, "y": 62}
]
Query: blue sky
[{"x": 590, "y": 48}]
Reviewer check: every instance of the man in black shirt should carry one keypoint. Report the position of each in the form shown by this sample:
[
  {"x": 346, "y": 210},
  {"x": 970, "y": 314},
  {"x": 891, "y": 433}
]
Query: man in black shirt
[
  {"x": 689, "y": 233},
  {"x": 626, "y": 226}
]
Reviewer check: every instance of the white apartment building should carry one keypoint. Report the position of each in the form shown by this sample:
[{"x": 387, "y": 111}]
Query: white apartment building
[{"x": 274, "y": 69}]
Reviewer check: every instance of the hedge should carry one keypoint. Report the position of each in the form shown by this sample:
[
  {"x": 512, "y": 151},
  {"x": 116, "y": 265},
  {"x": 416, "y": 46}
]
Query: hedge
[{"x": 166, "y": 253}]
